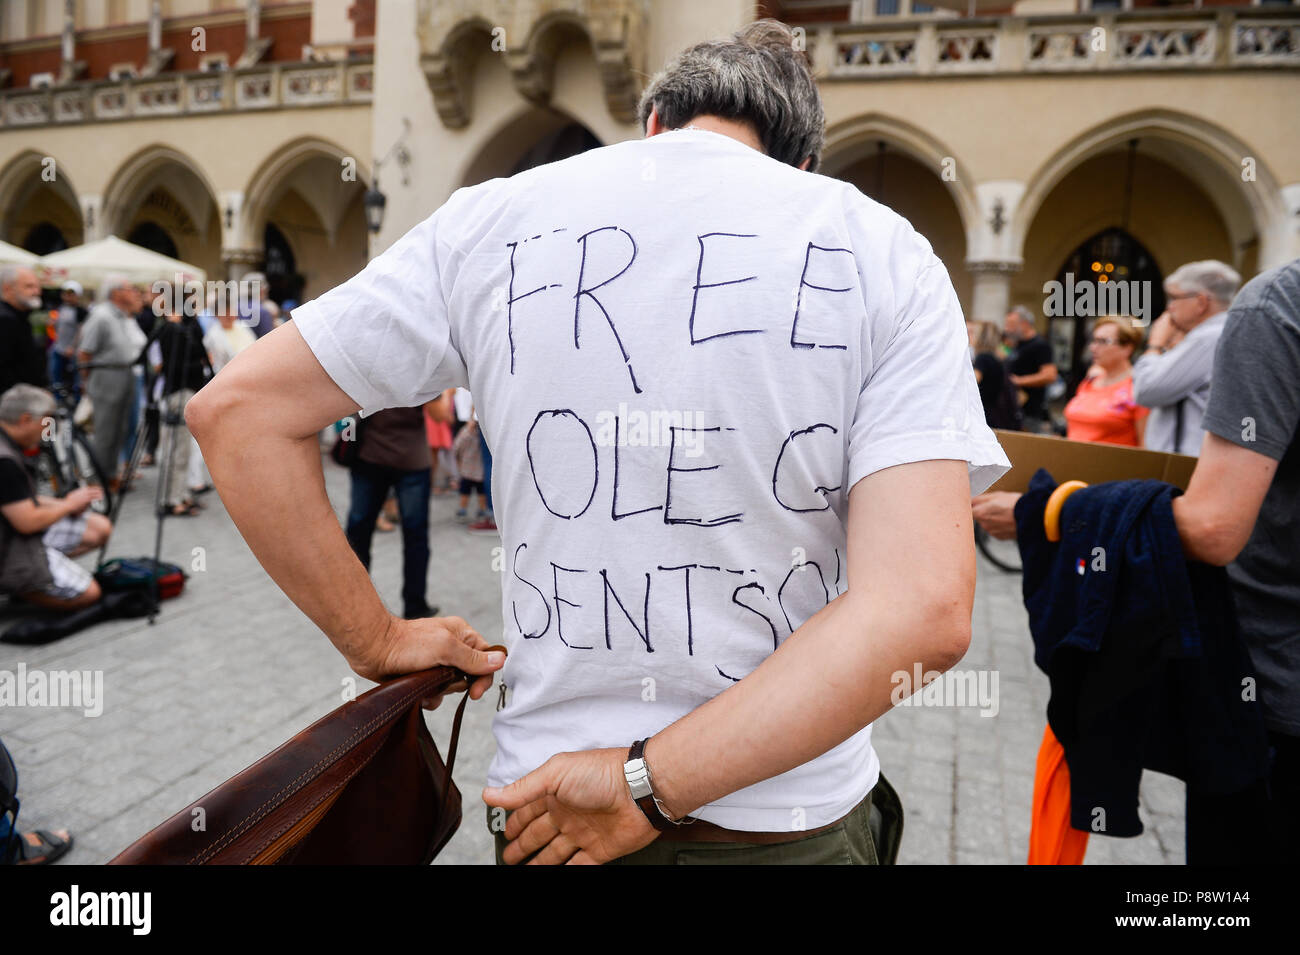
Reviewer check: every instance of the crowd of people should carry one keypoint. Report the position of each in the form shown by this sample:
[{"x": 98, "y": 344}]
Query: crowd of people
[
  {"x": 1219, "y": 380},
  {"x": 130, "y": 372},
  {"x": 1138, "y": 391}
]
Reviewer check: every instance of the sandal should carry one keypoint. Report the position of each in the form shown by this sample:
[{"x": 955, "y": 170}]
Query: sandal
[
  {"x": 179, "y": 510},
  {"x": 47, "y": 847}
]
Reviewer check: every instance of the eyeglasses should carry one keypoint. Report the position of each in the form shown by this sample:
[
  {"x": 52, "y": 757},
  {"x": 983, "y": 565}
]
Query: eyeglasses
[
  {"x": 1176, "y": 298},
  {"x": 1104, "y": 341}
]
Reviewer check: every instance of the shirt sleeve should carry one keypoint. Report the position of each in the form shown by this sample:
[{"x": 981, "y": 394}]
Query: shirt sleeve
[
  {"x": 90, "y": 334},
  {"x": 1163, "y": 380},
  {"x": 14, "y": 485},
  {"x": 920, "y": 401},
  {"x": 384, "y": 336},
  {"x": 1255, "y": 396}
]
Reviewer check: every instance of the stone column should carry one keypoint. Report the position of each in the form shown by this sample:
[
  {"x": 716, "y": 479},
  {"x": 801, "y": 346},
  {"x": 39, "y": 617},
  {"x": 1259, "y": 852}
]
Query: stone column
[
  {"x": 991, "y": 296},
  {"x": 92, "y": 218},
  {"x": 239, "y": 262}
]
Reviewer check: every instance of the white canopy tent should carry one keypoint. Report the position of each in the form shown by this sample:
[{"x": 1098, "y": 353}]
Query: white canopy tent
[
  {"x": 91, "y": 263},
  {"x": 12, "y": 255}
]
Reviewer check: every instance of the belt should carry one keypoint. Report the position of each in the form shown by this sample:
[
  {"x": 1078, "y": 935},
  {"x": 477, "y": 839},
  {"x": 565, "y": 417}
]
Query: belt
[{"x": 701, "y": 831}]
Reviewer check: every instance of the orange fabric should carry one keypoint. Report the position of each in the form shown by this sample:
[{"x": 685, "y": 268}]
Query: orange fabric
[
  {"x": 1108, "y": 415},
  {"x": 1052, "y": 840}
]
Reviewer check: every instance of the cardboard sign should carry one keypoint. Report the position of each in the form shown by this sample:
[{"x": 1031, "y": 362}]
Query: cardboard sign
[{"x": 1087, "y": 461}]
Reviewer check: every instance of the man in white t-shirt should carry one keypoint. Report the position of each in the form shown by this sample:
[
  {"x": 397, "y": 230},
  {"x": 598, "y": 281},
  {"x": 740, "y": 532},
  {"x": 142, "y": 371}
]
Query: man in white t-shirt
[{"x": 719, "y": 389}]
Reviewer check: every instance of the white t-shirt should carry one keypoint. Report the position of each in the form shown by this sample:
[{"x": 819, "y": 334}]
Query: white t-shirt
[{"x": 683, "y": 355}]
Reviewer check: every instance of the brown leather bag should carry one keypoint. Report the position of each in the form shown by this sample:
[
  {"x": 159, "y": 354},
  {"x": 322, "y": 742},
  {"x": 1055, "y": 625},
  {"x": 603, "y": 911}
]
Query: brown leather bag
[{"x": 364, "y": 785}]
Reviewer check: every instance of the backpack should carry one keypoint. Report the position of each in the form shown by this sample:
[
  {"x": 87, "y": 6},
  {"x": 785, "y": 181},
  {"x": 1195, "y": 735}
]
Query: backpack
[{"x": 133, "y": 574}]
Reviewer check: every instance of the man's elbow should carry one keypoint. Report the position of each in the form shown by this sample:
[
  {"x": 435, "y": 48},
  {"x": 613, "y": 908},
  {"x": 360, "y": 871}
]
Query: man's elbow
[
  {"x": 948, "y": 634},
  {"x": 1220, "y": 542},
  {"x": 209, "y": 406},
  {"x": 1209, "y": 537}
]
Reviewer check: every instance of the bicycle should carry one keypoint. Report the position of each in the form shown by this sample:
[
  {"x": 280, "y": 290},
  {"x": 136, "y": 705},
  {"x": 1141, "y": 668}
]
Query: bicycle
[
  {"x": 1004, "y": 555},
  {"x": 65, "y": 460}
]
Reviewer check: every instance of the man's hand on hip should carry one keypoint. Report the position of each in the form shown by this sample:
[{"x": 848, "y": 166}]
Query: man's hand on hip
[{"x": 574, "y": 809}]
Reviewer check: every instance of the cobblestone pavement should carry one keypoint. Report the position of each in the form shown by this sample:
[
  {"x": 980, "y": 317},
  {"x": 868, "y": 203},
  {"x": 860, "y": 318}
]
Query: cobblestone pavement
[{"x": 231, "y": 669}]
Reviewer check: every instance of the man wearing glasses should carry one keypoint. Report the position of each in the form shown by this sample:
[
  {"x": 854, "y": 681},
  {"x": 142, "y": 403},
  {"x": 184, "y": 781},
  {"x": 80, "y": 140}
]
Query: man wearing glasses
[{"x": 1173, "y": 377}]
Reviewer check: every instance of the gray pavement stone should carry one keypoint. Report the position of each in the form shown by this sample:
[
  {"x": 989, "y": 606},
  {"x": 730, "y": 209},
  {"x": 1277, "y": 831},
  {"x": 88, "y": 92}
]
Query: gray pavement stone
[{"x": 231, "y": 669}]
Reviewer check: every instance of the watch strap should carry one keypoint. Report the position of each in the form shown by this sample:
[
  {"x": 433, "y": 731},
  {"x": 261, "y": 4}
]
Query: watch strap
[{"x": 647, "y": 802}]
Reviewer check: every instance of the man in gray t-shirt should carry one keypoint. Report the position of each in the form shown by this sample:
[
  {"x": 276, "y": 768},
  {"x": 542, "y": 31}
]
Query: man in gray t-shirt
[
  {"x": 1240, "y": 509},
  {"x": 1255, "y": 404}
]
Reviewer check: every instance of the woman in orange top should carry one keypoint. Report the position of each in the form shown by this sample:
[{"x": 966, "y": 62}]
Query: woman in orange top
[{"x": 1103, "y": 408}]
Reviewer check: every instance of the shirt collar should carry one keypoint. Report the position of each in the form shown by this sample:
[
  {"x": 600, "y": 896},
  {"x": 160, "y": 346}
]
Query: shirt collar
[{"x": 1214, "y": 321}]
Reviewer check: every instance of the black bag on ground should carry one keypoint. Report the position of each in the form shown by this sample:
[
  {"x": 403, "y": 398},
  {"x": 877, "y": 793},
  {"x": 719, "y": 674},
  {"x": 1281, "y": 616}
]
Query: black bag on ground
[{"x": 112, "y": 606}]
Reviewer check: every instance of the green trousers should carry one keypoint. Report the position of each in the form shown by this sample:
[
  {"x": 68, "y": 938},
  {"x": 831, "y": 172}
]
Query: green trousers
[{"x": 869, "y": 835}]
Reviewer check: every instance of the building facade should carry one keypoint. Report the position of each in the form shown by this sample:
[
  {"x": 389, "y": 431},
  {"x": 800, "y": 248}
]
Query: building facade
[{"x": 231, "y": 134}]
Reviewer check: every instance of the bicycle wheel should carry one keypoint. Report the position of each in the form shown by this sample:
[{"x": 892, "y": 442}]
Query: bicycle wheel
[
  {"x": 1004, "y": 555},
  {"x": 50, "y": 480},
  {"x": 85, "y": 470}
]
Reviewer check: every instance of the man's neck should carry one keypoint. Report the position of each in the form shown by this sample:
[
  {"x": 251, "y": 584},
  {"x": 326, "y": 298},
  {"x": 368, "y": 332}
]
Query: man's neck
[{"x": 733, "y": 129}]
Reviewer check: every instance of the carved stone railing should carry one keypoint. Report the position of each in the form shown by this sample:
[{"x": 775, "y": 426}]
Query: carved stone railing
[
  {"x": 274, "y": 86},
  {"x": 1137, "y": 41}
]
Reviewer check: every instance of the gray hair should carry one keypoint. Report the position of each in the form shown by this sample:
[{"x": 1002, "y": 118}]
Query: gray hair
[
  {"x": 9, "y": 273},
  {"x": 112, "y": 283},
  {"x": 24, "y": 399},
  {"x": 756, "y": 76},
  {"x": 1026, "y": 315},
  {"x": 1217, "y": 280}
]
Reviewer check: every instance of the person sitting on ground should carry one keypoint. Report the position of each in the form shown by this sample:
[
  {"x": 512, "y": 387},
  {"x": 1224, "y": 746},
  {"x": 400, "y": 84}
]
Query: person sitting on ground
[
  {"x": 39, "y": 535},
  {"x": 1103, "y": 408}
]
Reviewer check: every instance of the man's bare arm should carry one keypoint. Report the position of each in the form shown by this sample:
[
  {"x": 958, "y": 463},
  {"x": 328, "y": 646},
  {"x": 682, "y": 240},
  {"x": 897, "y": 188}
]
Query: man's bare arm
[
  {"x": 1218, "y": 513},
  {"x": 1039, "y": 379},
  {"x": 257, "y": 424},
  {"x": 1215, "y": 517},
  {"x": 28, "y": 518},
  {"x": 911, "y": 585}
]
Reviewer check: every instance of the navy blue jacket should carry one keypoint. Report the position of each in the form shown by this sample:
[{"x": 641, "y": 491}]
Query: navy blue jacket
[{"x": 1147, "y": 665}]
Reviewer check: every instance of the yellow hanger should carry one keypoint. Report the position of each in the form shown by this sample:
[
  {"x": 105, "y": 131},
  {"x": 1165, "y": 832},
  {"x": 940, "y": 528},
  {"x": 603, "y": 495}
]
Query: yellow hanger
[{"x": 1052, "y": 513}]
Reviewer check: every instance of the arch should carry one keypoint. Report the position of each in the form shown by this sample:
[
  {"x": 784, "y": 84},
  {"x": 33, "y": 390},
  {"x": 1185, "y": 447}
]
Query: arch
[
  {"x": 449, "y": 72},
  {"x": 43, "y": 238},
  {"x": 510, "y": 138},
  {"x": 1208, "y": 154},
  {"x": 125, "y": 184},
  {"x": 270, "y": 178},
  {"x": 1116, "y": 255},
  {"x": 16, "y": 175},
  {"x": 852, "y": 139},
  {"x": 150, "y": 235},
  {"x": 534, "y": 71}
]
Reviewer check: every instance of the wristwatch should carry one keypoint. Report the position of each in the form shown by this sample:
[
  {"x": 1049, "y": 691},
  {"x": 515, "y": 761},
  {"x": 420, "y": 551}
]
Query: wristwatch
[{"x": 637, "y": 773}]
